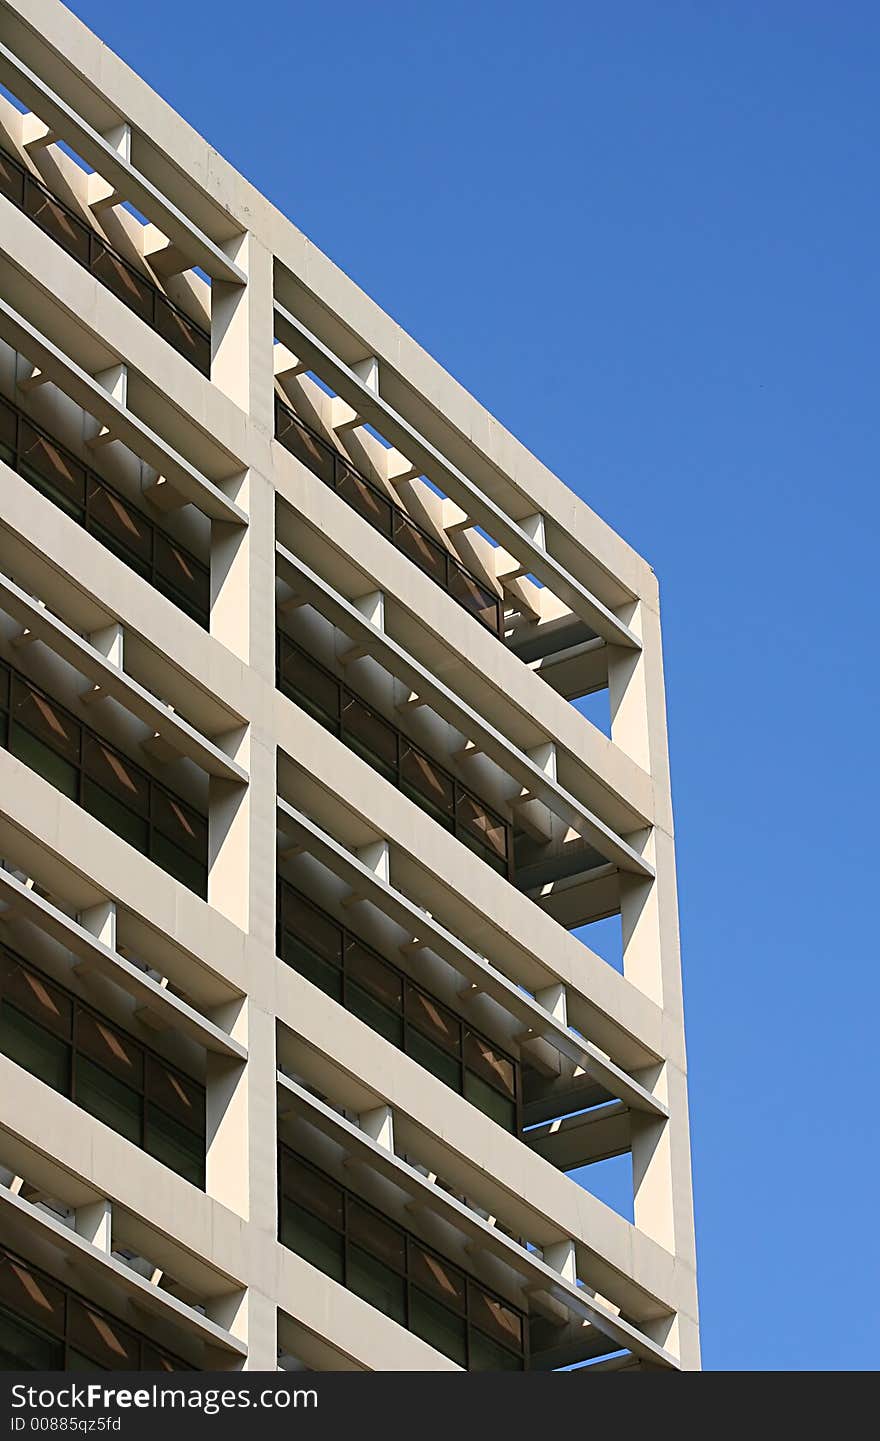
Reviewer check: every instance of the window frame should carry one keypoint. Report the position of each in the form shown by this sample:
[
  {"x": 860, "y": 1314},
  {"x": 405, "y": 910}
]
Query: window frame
[
  {"x": 395, "y": 772},
  {"x": 158, "y": 311},
  {"x": 77, "y": 1054},
  {"x": 83, "y": 513},
  {"x": 457, "y": 580},
  {"x": 70, "y": 1294},
  {"x": 156, "y": 791},
  {"x": 348, "y": 940},
  {"x": 410, "y": 1243}
]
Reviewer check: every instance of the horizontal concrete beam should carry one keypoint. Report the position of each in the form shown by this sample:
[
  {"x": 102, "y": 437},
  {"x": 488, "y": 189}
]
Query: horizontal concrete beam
[
  {"x": 71, "y": 647},
  {"x": 580, "y": 1140},
  {"x": 109, "y": 963},
  {"x": 136, "y": 1289},
  {"x": 125, "y": 424},
  {"x": 526, "y": 1263},
  {"x": 457, "y": 486},
  {"x": 344, "y": 614},
  {"x": 64, "y": 122},
  {"x": 477, "y": 970}
]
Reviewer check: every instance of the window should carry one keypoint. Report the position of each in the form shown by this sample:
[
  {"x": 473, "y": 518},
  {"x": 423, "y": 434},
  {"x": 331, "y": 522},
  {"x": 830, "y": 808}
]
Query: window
[
  {"x": 385, "y": 515},
  {"x": 89, "y": 1059},
  {"x": 46, "y": 1326},
  {"x": 385, "y": 999},
  {"x": 390, "y": 1269},
  {"x": 384, "y": 747},
  {"x": 93, "y": 252},
  {"x": 88, "y": 770},
  {"x": 95, "y": 505}
]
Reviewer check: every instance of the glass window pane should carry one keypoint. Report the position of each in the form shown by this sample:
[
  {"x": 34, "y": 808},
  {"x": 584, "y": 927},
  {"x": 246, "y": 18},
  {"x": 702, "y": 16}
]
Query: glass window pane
[
  {"x": 182, "y": 1098},
  {"x": 180, "y": 823},
  {"x": 428, "y": 554},
  {"x": 439, "y": 1327},
  {"x": 8, "y": 417},
  {"x": 496, "y": 1068},
  {"x": 111, "y": 1048},
  {"x": 116, "y": 775},
  {"x": 485, "y": 1355},
  {"x": 182, "y": 578},
  {"x": 312, "y": 1239},
  {"x": 30, "y": 1045},
  {"x": 102, "y": 1338},
  {"x": 55, "y": 220},
  {"x": 488, "y": 828},
  {"x": 120, "y": 526},
  {"x": 376, "y": 1283},
  {"x": 27, "y": 1292},
  {"x": 4, "y": 687},
  {"x": 24, "y": 1348},
  {"x": 123, "y": 280},
  {"x": 377, "y": 1236},
  {"x": 11, "y": 180},
  {"x": 115, "y": 815},
  {"x": 374, "y": 1015},
  {"x": 303, "y": 680},
  {"x": 314, "y": 453},
  {"x": 43, "y": 759},
  {"x": 187, "y": 338},
  {"x": 439, "y": 1062},
  {"x": 476, "y": 598},
  {"x": 184, "y": 868},
  {"x": 31, "y": 992},
  {"x": 371, "y": 973},
  {"x": 433, "y": 1019},
  {"x": 323, "y": 974},
  {"x": 436, "y": 1276},
  {"x": 52, "y": 470},
  {"x": 365, "y": 498},
  {"x": 46, "y": 720},
  {"x": 431, "y": 784},
  {"x": 311, "y": 926},
  {"x": 495, "y": 1318},
  {"x": 155, "y": 1360},
  {"x": 370, "y": 735},
  {"x": 110, "y": 1100},
  {"x": 175, "y": 1145},
  {"x": 318, "y": 1193},
  {"x": 490, "y": 1101}
]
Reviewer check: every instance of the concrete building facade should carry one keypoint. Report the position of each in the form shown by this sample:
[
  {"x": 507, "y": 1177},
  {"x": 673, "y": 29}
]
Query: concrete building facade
[{"x": 306, "y": 1056}]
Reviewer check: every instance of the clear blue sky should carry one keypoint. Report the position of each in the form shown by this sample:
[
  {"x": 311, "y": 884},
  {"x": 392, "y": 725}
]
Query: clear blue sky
[{"x": 646, "y": 236}]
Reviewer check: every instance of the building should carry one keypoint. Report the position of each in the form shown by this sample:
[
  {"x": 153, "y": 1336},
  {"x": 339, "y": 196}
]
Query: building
[{"x": 297, "y": 819}]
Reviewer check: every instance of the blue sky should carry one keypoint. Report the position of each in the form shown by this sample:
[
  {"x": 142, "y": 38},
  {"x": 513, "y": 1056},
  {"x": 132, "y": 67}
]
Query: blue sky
[{"x": 646, "y": 237}]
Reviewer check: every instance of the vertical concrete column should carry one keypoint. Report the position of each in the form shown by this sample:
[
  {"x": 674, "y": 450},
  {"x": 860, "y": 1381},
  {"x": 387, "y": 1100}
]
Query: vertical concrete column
[
  {"x": 242, "y": 332},
  {"x": 243, "y": 1154},
  {"x": 627, "y": 696},
  {"x": 553, "y": 999},
  {"x": 242, "y": 366},
  {"x": 109, "y": 641},
  {"x": 376, "y": 857},
  {"x": 663, "y": 1203},
  {"x": 95, "y": 1223},
  {"x": 561, "y": 1256},
  {"x": 114, "y": 380},
  {"x": 379, "y": 1125},
  {"x": 100, "y": 921}
]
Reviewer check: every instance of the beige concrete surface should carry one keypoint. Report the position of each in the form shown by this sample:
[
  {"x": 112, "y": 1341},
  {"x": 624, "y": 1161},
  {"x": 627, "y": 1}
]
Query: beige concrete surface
[{"x": 599, "y": 1048}]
